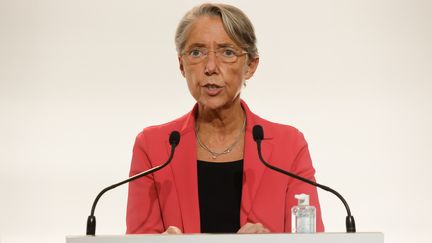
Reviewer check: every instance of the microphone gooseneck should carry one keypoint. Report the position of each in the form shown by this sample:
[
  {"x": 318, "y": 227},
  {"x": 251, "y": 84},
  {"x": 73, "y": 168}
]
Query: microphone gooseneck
[
  {"x": 258, "y": 135},
  {"x": 174, "y": 140}
]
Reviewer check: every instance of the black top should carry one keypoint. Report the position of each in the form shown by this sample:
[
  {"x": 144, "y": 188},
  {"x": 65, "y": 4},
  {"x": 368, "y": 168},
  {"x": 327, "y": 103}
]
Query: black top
[{"x": 220, "y": 190}]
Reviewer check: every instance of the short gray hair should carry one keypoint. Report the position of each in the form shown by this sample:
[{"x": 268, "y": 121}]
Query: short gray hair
[{"x": 236, "y": 24}]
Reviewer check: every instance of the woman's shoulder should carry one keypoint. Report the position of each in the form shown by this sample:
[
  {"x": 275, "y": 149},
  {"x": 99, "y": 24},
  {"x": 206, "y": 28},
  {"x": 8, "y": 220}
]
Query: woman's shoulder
[
  {"x": 270, "y": 128},
  {"x": 287, "y": 140},
  {"x": 280, "y": 134},
  {"x": 276, "y": 128},
  {"x": 163, "y": 130}
]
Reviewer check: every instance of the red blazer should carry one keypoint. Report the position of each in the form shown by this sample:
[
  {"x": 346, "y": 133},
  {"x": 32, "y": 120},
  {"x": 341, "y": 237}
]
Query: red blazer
[{"x": 170, "y": 196}]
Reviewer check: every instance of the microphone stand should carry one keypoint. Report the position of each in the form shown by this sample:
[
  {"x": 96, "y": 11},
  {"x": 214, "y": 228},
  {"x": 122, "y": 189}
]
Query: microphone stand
[
  {"x": 258, "y": 135},
  {"x": 91, "y": 220}
]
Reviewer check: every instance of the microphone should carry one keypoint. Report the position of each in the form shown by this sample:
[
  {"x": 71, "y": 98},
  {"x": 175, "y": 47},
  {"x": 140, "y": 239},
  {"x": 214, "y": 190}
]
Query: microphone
[
  {"x": 258, "y": 135},
  {"x": 174, "y": 140}
]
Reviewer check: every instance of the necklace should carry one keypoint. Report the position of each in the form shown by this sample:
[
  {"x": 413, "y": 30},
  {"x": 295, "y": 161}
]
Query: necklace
[{"x": 215, "y": 154}]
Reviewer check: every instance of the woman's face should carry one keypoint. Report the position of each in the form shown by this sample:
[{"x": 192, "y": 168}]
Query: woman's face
[{"x": 213, "y": 82}]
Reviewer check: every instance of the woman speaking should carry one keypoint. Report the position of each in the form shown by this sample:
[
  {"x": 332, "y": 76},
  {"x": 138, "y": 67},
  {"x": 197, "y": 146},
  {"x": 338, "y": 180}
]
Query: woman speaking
[{"x": 216, "y": 182}]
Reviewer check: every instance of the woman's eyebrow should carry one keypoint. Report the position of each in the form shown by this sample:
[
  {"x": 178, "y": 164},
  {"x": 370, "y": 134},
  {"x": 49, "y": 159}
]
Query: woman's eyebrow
[
  {"x": 226, "y": 45},
  {"x": 196, "y": 45},
  {"x": 219, "y": 45}
]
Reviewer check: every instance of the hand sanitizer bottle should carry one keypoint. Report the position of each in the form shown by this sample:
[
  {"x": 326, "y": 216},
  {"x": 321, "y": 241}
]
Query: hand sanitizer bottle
[{"x": 303, "y": 216}]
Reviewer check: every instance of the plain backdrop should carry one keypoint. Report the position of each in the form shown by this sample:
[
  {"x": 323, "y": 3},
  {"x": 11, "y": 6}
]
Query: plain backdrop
[{"x": 79, "y": 79}]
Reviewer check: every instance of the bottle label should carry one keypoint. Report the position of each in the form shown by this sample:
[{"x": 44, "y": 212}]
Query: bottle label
[
  {"x": 303, "y": 220},
  {"x": 304, "y": 225}
]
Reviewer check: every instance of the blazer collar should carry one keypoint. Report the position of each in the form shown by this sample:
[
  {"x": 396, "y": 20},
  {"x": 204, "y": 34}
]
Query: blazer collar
[{"x": 184, "y": 169}]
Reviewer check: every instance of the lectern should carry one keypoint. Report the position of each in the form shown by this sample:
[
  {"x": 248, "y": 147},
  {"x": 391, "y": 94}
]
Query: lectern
[{"x": 234, "y": 238}]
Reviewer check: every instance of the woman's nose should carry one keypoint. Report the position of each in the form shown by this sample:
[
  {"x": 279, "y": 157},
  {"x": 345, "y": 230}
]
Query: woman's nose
[{"x": 211, "y": 64}]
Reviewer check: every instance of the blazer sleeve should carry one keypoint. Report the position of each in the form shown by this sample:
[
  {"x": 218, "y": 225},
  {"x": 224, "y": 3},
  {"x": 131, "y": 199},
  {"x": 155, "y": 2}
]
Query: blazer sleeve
[
  {"x": 302, "y": 166},
  {"x": 143, "y": 209}
]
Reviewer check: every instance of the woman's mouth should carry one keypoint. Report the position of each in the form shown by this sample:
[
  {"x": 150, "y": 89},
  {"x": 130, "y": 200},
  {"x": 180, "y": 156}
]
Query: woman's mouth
[{"x": 212, "y": 89}]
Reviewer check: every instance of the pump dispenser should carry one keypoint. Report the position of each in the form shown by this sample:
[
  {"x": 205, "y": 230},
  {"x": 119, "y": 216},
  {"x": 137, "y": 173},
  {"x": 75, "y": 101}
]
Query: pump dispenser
[{"x": 303, "y": 216}]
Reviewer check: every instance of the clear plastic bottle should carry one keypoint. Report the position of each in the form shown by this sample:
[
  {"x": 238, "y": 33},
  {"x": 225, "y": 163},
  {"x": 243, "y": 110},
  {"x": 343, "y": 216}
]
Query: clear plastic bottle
[{"x": 303, "y": 216}]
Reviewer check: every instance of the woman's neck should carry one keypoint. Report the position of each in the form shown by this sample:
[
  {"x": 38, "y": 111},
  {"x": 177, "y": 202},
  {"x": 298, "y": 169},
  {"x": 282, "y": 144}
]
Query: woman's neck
[
  {"x": 222, "y": 121},
  {"x": 220, "y": 133}
]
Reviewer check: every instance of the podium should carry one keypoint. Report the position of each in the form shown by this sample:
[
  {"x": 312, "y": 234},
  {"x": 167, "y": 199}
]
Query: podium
[{"x": 233, "y": 238}]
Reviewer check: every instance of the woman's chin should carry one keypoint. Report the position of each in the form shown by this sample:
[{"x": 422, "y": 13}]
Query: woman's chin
[
  {"x": 211, "y": 104},
  {"x": 215, "y": 103}
]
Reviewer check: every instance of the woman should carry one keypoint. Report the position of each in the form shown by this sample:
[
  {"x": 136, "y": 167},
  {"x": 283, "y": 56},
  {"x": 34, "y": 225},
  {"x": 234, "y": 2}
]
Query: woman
[{"x": 216, "y": 182}]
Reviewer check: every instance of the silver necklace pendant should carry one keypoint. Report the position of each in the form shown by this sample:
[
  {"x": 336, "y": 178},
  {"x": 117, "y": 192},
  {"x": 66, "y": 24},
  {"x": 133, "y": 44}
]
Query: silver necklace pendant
[{"x": 227, "y": 150}]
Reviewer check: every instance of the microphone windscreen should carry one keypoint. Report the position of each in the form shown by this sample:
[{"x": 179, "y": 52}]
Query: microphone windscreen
[
  {"x": 258, "y": 133},
  {"x": 174, "y": 138}
]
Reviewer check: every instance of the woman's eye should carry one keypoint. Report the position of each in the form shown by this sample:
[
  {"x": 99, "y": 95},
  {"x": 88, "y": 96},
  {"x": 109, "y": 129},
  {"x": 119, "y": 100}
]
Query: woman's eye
[
  {"x": 228, "y": 52},
  {"x": 195, "y": 53}
]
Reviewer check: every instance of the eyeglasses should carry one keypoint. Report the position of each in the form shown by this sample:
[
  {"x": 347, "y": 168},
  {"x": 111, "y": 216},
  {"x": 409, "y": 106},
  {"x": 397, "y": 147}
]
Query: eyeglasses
[{"x": 225, "y": 54}]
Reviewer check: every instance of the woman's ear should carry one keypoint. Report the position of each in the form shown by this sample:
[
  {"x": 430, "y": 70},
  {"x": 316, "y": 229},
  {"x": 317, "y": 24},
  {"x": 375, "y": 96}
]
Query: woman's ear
[
  {"x": 180, "y": 60},
  {"x": 251, "y": 67}
]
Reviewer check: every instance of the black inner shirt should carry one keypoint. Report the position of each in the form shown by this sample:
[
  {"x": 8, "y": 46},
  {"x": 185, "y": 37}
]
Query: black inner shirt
[{"x": 220, "y": 190}]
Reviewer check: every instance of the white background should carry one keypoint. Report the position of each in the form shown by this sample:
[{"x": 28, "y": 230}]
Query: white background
[{"x": 79, "y": 79}]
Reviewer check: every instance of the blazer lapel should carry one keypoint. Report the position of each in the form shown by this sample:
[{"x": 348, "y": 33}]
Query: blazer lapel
[
  {"x": 252, "y": 167},
  {"x": 184, "y": 169}
]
